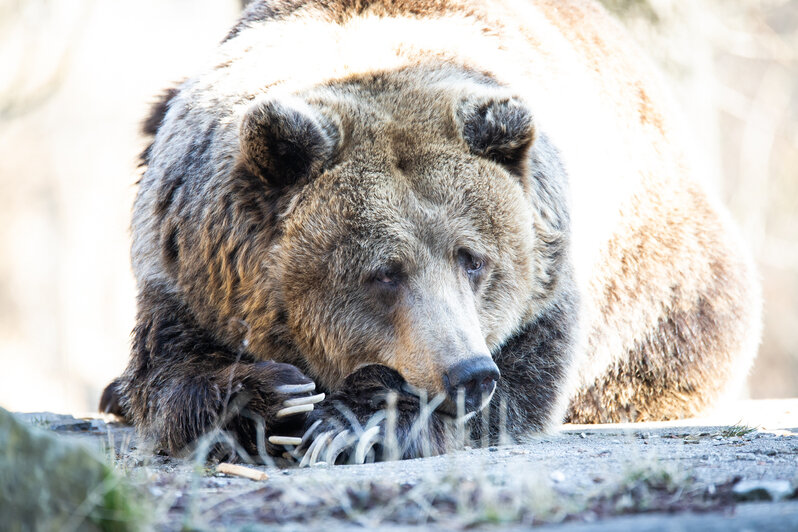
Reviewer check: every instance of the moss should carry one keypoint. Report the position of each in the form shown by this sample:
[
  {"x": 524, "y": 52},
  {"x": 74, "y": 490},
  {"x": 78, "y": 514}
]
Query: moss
[{"x": 48, "y": 483}]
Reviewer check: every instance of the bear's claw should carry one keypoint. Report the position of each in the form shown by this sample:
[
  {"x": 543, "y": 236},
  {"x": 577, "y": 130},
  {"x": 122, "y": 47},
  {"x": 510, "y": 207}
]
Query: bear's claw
[
  {"x": 365, "y": 443},
  {"x": 313, "y": 452},
  {"x": 311, "y": 399},
  {"x": 298, "y": 405},
  {"x": 284, "y": 440},
  {"x": 296, "y": 388},
  {"x": 338, "y": 444},
  {"x": 291, "y": 410},
  {"x": 327, "y": 446}
]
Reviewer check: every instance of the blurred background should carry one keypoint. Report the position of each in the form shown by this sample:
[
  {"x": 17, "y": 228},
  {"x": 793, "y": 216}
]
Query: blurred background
[{"x": 77, "y": 77}]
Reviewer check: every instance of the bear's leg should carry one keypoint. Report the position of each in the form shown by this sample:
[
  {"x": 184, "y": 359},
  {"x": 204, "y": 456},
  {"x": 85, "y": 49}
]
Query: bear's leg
[
  {"x": 181, "y": 384},
  {"x": 373, "y": 416},
  {"x": 110, "y": 401},
  {"x": 535, "y": 365},
  {"x": 679, "y": 368}
]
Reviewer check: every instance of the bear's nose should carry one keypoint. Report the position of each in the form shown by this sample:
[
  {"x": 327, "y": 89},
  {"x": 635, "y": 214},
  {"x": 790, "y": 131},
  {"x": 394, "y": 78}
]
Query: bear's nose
[{"x": 476, "y": 377}]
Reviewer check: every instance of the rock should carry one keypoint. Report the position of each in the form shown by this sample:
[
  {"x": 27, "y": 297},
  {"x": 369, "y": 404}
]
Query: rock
[
  {"x": 61, "y": 422},
  {"x": 54, "y": 484},
  {"x": 762, "y": 490}
]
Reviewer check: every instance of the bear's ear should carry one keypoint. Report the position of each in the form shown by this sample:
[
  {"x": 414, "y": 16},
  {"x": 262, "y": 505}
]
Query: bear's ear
[
  {"x": 498, "y": 128},
  {"x": 287, "y": 141}
]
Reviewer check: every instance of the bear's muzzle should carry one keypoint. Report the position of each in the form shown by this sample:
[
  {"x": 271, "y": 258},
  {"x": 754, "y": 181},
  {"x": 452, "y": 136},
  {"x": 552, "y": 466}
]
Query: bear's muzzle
[{"x": 471, "y": 383}]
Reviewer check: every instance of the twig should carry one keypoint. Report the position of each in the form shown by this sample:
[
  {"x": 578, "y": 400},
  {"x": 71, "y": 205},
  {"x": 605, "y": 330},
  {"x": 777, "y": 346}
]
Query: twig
[{"x": 241, "y": 471}]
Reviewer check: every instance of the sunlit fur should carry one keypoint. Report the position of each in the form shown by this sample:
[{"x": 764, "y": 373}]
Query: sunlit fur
[{"x": 626, "y": 266}]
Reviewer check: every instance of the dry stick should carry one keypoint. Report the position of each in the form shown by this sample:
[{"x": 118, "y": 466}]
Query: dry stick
[{"x": 241, "y": 471}]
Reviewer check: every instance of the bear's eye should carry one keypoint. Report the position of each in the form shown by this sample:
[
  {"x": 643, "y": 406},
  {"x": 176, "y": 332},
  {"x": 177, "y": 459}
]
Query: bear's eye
[
  {"x": 470, "y": 262},
  {"x": 388, "y": 277}
]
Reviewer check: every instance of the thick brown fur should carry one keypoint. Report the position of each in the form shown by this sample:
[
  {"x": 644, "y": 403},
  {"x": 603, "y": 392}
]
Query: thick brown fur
[{"x": 407, "y": 185}]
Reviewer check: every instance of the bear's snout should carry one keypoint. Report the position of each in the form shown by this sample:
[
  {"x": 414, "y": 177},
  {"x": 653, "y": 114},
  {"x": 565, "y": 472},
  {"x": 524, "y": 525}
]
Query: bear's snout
[{"x": 476, "y": 377}]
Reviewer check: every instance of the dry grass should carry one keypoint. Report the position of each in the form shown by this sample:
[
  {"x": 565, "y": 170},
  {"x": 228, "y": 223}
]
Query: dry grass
[
  {"x": 737, "y": 431},
  {"x": 456, "y": 500}
]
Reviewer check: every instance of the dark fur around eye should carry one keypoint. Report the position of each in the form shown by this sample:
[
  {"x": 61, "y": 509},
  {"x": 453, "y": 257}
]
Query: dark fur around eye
[
  {"x": 472, "y": 264},
  {"x": 388, "y": 277}
]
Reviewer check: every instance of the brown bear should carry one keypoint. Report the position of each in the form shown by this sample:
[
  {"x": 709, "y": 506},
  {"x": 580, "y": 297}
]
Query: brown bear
[{"x": 442, "y": 206}]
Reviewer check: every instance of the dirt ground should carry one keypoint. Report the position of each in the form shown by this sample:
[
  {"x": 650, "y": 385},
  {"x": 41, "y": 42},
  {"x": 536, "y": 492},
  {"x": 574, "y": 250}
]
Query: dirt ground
[{"x": 733, "y": 470}]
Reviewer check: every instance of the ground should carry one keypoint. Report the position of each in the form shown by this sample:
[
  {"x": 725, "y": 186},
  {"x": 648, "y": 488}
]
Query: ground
[{"x": 734, "y": 470}]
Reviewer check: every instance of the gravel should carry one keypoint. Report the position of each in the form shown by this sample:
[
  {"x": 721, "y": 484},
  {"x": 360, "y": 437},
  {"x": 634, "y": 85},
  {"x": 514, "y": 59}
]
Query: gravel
[{"x": 655, "y": 475}]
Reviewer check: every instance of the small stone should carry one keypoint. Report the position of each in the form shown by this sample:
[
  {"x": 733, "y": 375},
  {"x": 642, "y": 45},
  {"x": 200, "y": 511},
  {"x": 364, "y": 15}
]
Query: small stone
[
  {"x": 493, "y": 448},
  {"x": 762, "y": 490},
  {"x": 58, "y": 422},
  {"x": 582, "y": 435},
  {"x": 557, "y": 476}
]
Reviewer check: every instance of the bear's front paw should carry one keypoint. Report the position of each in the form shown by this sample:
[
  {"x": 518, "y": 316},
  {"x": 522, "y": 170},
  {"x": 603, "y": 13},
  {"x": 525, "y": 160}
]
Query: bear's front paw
[
  {"x": 274, "y": 398},
  {"x": 373, "y": 417}
]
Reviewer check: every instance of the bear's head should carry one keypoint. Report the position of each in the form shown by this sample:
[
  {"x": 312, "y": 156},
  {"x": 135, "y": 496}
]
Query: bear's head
[{"x": 416, "y": 231}]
